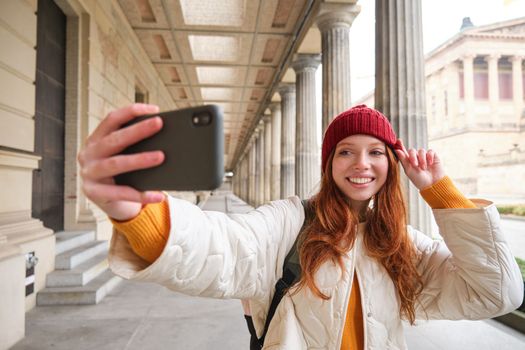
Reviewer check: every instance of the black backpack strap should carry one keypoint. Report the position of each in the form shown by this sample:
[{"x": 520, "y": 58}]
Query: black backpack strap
[
  {"x": 254, "y": 341},
  {"x": 291, "y": 273}
]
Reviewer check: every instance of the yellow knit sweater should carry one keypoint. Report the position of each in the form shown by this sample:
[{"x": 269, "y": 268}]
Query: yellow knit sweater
[{"x": 148, "y": 233}]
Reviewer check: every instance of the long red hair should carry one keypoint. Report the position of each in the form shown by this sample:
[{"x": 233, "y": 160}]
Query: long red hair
[{"x": 332, "y": 233}]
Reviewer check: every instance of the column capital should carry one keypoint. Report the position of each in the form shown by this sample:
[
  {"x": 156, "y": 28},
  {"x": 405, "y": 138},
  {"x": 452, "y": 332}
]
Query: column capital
[
  {"x": 493, "y": 57},
  {"x": 336, "y": 15},
  {"x": 468, "y": 57},
  {"x": 517, "y": 58},
  {"x": 304, "y": 62},
  {"x": 253, "y": 136},
  {"x": 275, "y": 106},
  {"x": 267, "y": 118},
  {"x": 285, "y": 88}
]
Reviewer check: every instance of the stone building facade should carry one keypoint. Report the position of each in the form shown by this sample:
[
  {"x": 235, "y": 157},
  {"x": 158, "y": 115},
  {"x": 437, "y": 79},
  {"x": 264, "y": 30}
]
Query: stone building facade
[
  {"x": 475, "y": 84},
  {"x": 103, "y": 66},
  {"x": 475, "y": 107}
]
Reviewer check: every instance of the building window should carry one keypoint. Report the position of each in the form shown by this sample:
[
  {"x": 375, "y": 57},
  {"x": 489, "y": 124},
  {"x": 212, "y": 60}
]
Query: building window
[
  {"x": 481, "y": 85},
  {"x": 445, "y": 102},
  {"x": 461, "y": 85},
  {"x": 433, "y": 106},
  {"x": 505, "y": 85}
]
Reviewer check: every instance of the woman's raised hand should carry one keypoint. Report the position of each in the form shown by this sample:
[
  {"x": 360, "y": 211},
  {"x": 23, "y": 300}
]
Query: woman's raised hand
[
  {"x": 422, "y": 167},
  {"x": 100, "y": 161}
]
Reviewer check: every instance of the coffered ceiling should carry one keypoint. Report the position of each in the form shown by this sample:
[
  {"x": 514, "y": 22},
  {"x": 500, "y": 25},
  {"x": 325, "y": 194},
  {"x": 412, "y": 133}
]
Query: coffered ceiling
[{"x": 225, "y": 52}]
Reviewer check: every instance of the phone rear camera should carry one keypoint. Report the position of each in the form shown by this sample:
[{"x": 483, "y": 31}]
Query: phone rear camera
[{"x": 201, "y": 119}]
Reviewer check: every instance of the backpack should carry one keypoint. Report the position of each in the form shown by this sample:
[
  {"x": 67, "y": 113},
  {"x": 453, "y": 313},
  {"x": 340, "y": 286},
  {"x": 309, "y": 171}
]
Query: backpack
[{"x": 291, "y": 275}]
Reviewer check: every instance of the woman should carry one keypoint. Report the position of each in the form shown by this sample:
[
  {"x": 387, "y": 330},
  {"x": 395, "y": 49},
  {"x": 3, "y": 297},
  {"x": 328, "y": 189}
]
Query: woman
[{"x": 363, "y": 268}]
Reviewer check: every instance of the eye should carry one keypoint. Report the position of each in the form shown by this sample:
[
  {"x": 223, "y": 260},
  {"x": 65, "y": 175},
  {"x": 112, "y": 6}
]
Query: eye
[
  {"x": 377, "y": 152},
  {"x": 344, "y": 152}
]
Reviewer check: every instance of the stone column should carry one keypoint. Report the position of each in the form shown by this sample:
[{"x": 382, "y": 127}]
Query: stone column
[
  {"x": 246, "y": 180},
  {"x": 251, "y": 174},
  {"x": 400, "y": 85},
  {"x": 239, "y": 176},
  {"x": 517, "y": 86},
  {"x": 334, "y": 22},
  {"x": 245, "y": 177},
  {"x": 257, "y": 188},
  {"x": 260, "y": 164},
  {"x": 494, "y": 87},
  {"x": 468, "y": 87},
  {"x": 267, "y": 157},
  {"x": 255, "y": 193},
  {"x": 275, "y": 181},
  {"x": 235, "y": 181},
  {"x": 239, "y": 180},
  {"x": 287, "y": 92},
  {"x": 307, "y": 158}
]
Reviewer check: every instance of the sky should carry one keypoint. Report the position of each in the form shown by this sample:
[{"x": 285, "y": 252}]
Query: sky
[{"x": 441, "y": 20}]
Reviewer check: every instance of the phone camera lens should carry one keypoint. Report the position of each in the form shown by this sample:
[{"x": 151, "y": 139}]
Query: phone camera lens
[{"x": 201, "y": 119}]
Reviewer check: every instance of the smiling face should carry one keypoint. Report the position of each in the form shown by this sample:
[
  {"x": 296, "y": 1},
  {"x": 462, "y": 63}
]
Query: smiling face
[{"x": 359, "y": 168}]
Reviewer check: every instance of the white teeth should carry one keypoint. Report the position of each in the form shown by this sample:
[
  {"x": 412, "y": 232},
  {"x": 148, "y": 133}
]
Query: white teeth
[{"x": 360, "y": 180}]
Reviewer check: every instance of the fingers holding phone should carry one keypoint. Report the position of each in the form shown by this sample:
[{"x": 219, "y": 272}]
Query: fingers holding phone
[
  {"x": 111, "y": 166},
  {"x": 100, "y": 161},
  {"x": 118, "y": 140},
  {"x": 114, "y": 120},
  {"x": 192, "y": 140}
]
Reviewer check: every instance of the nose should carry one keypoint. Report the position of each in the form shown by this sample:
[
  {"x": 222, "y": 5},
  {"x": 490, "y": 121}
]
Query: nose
[{"x": 361, "y": 161}]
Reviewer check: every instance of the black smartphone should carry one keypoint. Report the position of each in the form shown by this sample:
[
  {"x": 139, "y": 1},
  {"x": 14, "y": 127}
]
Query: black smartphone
[{"x": 192, "y": 140}]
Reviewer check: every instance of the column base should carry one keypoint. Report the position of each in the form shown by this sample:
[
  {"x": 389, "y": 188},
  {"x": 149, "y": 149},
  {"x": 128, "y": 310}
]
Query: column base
[
  {"x": 12, "y": 310},
  {"x": 19, "y": 235}
]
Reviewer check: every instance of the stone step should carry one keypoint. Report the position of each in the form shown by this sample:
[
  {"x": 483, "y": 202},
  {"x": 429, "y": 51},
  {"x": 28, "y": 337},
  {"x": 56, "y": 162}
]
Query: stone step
[
  {"x": 74, "y": 257},
  {"x": 67, "y": 240},
  {"x": 80, "y": 275},
  {"x": 91, "y": 293}
]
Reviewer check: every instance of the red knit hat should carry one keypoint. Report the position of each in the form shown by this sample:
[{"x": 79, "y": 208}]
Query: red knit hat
[{"x": 357, "y": 120}]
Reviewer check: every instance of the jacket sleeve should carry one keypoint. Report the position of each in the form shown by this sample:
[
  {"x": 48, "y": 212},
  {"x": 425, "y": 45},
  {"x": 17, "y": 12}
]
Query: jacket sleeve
[
  {"x": 215, "y": 255},
  {"x": 472, "y": 274}
]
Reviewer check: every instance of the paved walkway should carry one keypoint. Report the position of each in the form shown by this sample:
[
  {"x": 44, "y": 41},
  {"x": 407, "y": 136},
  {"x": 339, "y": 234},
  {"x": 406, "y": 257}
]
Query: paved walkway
[
  {"x": 147, "y": 316},
  {"x": 515, "y": 231}
]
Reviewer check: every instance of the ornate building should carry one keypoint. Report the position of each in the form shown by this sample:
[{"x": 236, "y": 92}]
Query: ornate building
[
  {"x": 475, "y": 107},
  {"x": 475, "y": 87}
]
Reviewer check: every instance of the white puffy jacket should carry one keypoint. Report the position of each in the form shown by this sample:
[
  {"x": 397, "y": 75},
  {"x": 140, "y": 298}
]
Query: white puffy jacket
[{"x": 241, "y": 256}]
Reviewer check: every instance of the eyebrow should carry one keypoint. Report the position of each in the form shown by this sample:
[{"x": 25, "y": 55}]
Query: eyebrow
[{"x": 375, "y": 144}]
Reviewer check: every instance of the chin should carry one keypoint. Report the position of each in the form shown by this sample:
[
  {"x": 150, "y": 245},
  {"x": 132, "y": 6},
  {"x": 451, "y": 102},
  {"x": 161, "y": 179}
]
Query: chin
[{"x": 358, "y": 199}]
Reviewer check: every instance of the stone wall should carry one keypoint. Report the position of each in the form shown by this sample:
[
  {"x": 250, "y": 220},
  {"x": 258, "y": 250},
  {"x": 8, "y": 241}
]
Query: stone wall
[
  {"x": 500, "y": 175},
  {"x": 443, "y": 86},
  {"x": 116, "y": 67},
  {"x": 461, "y": 156},
  {"x": 105, "y": 64},
  {"x": 17, "y": 162}
]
